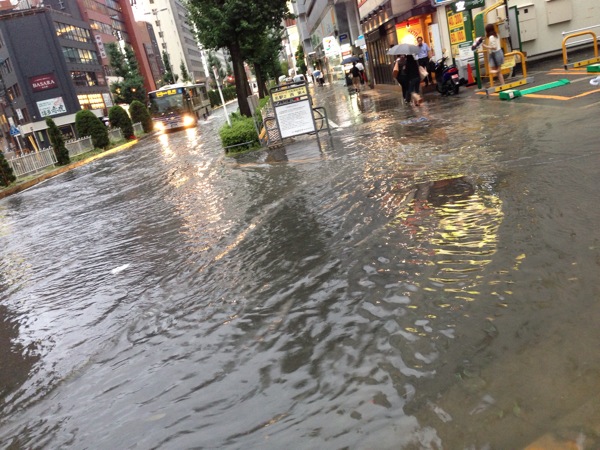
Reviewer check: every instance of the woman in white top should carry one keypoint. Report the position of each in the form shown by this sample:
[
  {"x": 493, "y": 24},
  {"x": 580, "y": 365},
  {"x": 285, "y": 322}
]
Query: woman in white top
[{"x": 496, "y": 54}]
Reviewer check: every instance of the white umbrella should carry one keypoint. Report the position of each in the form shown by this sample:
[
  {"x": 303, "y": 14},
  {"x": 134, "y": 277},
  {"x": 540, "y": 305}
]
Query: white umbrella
[{"x": 403, "y": 49}]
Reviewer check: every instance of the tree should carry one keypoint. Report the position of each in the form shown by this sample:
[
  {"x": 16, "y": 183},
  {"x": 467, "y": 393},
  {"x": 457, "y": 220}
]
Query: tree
[
  {"x": 7, "y": 175},
  {"x": 58, "y": 143},
  {"x": 125, "y": 66},
  {"x": 169, "y": 77},
  {"x": 88, "y": 124},
  {"x": 231, "y": 24},
  {"x": 264, "y": 55},
  {"x": 300, "y": 63},
  {"x": 139, "y": 113},
  {"x": 185, "y": 76},
  {"x": 213, "y": 61},
  {"x": 119, "y": 118}
]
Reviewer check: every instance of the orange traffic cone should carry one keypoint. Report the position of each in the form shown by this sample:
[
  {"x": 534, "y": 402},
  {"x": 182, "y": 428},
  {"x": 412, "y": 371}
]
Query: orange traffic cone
[{"x": 470, "y": 80}]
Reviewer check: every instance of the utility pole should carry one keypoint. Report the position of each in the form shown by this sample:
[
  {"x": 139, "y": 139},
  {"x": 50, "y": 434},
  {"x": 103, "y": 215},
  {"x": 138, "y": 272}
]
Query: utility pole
[{"x": 221, "y": 94}]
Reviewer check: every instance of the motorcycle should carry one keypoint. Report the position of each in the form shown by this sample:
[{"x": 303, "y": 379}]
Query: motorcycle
[{"x": 448, "y": 81}]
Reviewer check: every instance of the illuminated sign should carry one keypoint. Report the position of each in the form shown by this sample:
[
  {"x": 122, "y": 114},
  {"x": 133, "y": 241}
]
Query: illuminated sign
[
  {"x": 169, "y": 92},
  {"x": 289, "y": 93}
]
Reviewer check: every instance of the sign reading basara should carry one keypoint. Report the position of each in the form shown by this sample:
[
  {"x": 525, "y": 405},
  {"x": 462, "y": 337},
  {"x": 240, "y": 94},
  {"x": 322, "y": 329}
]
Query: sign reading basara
[{"x": 43, "y": 82}]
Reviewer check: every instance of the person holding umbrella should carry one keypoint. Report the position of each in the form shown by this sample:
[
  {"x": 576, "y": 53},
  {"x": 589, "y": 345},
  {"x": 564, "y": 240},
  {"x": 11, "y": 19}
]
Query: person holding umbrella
[{"x": 406, "y": 71}]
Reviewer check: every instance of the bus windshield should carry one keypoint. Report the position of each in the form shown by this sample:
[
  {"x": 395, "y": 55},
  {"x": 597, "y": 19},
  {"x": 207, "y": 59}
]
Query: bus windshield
[{"x": 162, "y": 102}]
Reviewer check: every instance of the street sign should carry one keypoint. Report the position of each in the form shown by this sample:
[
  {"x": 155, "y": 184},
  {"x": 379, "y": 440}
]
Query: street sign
[{"x": 14, "y": 131}]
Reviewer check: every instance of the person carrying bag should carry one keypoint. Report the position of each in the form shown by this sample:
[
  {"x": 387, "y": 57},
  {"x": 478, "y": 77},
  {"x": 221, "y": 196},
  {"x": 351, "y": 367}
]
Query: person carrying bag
[{"x": 400, "y": 74}]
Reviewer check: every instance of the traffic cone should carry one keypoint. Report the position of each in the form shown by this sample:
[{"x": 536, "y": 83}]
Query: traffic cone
[{"x": 470, "y": 80}]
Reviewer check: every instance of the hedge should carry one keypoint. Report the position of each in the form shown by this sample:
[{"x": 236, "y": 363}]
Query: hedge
[
  {"x": 229, "y": 93},
  {"x": 240, "y": 136}
]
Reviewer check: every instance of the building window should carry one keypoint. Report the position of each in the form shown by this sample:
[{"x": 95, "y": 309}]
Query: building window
[
  {"x": 84, "y": 78},
  {"x": 5, "y": 66},
  {"x": 13, "y": 92},
  {"x": 72, "y": 32},
  {"x": 91, "y": 101},
  {"x": 80, "y": 56}
]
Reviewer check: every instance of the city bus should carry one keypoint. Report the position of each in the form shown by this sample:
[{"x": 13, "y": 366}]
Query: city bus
[{"x": 176, "y": 106}]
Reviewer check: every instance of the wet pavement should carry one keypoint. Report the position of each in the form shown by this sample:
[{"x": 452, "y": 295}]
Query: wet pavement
[{"x": 425, "y": 278}]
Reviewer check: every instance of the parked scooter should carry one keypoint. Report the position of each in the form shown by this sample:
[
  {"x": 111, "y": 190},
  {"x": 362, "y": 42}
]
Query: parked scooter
[{"x": 448, "y": 81}]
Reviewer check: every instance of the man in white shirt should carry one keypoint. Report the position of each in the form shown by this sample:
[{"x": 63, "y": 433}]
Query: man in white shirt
[{"x": 423, "y": 57}]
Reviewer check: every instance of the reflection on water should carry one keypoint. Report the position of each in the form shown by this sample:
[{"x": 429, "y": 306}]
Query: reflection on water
[{"x": 407, "y": 283}]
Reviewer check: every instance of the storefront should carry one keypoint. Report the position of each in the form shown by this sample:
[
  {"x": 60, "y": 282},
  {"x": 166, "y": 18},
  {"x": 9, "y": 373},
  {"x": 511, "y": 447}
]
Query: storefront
[{"x": 384, "y": 28}]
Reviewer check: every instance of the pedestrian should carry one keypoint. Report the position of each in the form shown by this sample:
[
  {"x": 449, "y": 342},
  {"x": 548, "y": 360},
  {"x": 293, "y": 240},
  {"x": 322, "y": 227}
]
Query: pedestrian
[
  {"x": 355, "y": 72},
  {"x": 414, "y": 81},
  {"x": 400, "y": 75},
  {"x": 363, "y": 77},
  {"x": 423, "y": 58},
  {"x": 496, "y": 57}
]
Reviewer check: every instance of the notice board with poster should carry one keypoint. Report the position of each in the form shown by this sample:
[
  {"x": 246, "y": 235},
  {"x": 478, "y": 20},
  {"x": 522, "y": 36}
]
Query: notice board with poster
[
  {"x": 460, "y": 24},
  {"x": 293, "y": 109}
]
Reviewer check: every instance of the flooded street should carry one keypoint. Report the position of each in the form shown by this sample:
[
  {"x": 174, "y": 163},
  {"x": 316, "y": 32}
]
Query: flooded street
[{"x": 425, "y": 279}]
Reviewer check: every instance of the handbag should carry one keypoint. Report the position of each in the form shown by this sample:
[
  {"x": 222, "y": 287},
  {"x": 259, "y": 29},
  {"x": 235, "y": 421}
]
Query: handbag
[{"x": 423, "y": 72}]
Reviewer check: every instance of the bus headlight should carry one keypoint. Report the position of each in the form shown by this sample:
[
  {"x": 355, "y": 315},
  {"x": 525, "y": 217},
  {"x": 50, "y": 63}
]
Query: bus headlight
[
  {"x": 159, "y": 126},
  {"x": 188, "y": 121}
]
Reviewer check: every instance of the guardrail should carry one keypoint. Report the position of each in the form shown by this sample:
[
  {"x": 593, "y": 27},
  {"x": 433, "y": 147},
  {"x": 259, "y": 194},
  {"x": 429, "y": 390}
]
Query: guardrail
[
  {"x": 586, "y": 61},
  {"x": 32, "y": 162},
  {"x": 115, "y": 135},
  {"x": 138, "y": 129},
  {"x": 79, "y": 146}
]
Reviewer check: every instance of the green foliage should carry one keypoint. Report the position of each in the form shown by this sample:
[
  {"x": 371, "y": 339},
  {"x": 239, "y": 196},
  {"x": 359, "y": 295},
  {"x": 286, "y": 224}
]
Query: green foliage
[
  {"x": 229, "y": 93},
  {"x": 213, "y": 61},
  {"x": 300, "y": 63},
  {"x": 119, "y": 118},
  {"x": 7, "y": 175},
  {"x": 234, "y": 25},
  {"x": 242, "y": 131},
  {"x": 285, "y": 68},
  {"x": 131, "y": 87},
  {"x": 185, "y": 75},
  {"x": 169, "y": 77},
  {"x": 88, "y": 124},
  {"x": 58, "y": 143},
  {"x": 139, "y": 113}
]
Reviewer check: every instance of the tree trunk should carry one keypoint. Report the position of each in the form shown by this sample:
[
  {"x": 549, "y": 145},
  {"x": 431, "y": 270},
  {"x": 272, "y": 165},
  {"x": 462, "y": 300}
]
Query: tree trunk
[
  {"x": 241, "y": 81},
  {"x": 259, "y": 81}
]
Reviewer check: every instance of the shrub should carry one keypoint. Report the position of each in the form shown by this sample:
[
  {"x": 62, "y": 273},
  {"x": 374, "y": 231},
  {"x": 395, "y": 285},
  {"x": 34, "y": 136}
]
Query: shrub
[
  {"x": 139, "y": 113},
  {"x": 118, "y": 118},
  {"x": 88, "y": 124},
  {"x": 7, "y": 175},
  {"x": 229, "y": 93},
  {"x": 58, "y": 143},
  {"x": 242, "y": 131}
]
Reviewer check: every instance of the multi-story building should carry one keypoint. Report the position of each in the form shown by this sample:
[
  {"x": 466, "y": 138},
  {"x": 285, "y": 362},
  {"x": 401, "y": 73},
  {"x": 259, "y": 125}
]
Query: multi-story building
[
  {"x": 333, "y": 32},
  {"x": 174, "y": 35},
  {"x": 49, "y": 67},
  {"x": 114, "y": 21}
]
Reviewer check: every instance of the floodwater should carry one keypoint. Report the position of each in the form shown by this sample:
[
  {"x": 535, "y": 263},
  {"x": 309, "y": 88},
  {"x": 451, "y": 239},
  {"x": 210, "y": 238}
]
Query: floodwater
[{"x": 423, "y": 279}]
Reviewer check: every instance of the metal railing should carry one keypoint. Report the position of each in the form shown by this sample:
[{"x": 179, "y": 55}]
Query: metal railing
[
  {"x": 32, "y": 162},
  {"x": 79, "y": 146},
  {"x": 115, "y": 135},
  {"x": 138, "y": 129},
  {"x": 586, "y": 62}
]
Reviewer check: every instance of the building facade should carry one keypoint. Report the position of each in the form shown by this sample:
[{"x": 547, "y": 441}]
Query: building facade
[
  {"x": 55, "y": 74},
  {"x": 331, "y": 29}
]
